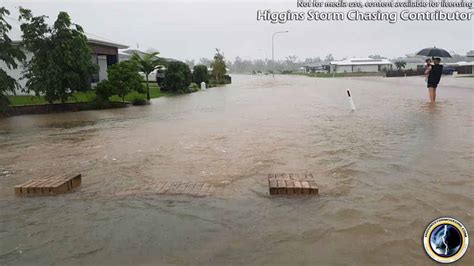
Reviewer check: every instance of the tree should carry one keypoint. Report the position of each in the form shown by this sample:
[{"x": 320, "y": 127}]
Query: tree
[
  {"x": 376, "y": 56},
  {"x": 61, "y": 62},
  {"x": 205, "y": 61},
  {"x": 124, "y": 78},
  {"x": 312, "y": 60},
  {"x": 147, "y": 64},
  {"x": 291, "y": 61},
  {"x": 178, "y": 77},
  {"x": 329, "y": 58},
  {"x": 400, "y": 64},
  {"x": 104, "y": 90},
  {"x": 200, "y": 74},
  {"x": 190, "y": 63},
  {"x": 218, "y": 66},
  {"x": 9, "y": 54}
]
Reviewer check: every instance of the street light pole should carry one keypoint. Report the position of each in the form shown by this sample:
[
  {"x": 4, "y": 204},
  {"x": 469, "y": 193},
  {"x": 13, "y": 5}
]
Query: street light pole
[{"x": 273, "y": 48}]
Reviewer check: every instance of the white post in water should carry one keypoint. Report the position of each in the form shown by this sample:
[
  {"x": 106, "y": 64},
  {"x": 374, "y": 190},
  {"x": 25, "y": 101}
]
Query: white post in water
[
  {"x": 350, "y": 100},
  {"x": 203, "y": 85}
]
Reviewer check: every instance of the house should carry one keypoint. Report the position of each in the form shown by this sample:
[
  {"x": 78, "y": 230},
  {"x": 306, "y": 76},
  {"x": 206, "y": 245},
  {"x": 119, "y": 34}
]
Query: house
[
  {"x": 155, "y": 74},
  {"x": 320, "y": 67},
  {"x": 360, "y": 65},
  {"x": 412, "y": 63},
  {"x": 462, "y": 69},
  {"x": 103, "y": 53}
]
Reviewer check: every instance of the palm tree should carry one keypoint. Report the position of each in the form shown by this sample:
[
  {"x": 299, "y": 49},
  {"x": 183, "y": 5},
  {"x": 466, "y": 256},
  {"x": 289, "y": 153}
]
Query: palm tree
[
  {"x": 147, "y": 64},
  {"x": 400, "y": 65}
]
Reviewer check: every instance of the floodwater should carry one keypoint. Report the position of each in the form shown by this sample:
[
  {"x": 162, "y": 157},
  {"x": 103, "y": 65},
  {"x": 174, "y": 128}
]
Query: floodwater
[{"x": 384, "y": 172}]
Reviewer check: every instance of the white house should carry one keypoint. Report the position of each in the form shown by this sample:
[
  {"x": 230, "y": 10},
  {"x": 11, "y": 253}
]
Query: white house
[
  {"x": 360, "y": 65},
  {"x": 463, "y": 69},
  {"x": 157, "y": 73},
  {"x": 319, "y": 67},
  {"x": 412, "y": 63},
  {"x": 104, "y": 53}
]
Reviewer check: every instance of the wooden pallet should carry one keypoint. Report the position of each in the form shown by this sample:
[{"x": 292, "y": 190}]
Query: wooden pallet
[
  {"x": 49, "y": 185},
  {"x": 184, "y": 188},
  {"x": 292, "y": 184}
]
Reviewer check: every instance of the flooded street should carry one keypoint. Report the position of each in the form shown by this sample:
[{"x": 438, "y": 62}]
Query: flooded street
[{"x": 384, "y": 173}]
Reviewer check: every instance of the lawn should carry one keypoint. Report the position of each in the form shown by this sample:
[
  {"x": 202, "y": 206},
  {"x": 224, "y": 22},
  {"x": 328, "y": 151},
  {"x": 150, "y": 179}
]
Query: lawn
[{"x": 79, "y": 97}]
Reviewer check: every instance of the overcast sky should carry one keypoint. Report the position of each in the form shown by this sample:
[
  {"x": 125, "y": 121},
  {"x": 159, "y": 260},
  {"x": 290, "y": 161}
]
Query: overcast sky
[{"x": 192, "y": 29}]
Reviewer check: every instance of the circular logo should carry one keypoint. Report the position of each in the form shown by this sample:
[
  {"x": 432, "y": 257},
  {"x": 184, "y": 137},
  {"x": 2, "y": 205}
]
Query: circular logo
[{"x": 445, "y": 240}]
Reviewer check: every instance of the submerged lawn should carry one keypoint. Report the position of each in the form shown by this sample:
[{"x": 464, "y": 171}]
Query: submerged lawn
[{"x": 79, "y": 97}]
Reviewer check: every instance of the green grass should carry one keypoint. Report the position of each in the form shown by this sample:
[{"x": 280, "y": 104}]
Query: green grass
[
  {"x": 154, "y": 93},
  {"x": 32, "y": 100},
  {"x": 25, "y": 100},
  {"x": 80, "y": 97}
]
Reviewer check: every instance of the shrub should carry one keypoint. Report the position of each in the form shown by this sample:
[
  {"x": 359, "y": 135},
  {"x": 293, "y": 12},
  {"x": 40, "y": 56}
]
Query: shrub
[
  {"x": 104, "y": 90},
  {"x": 200, "y": 74},
  {"x": 124, "y": 78},
  {"x": 177, "y": 78},
  {"x": 138, "y": 98},
  {"x": 194, "y": 87},
  {"x": 212, "y": 83},
  {"x": 227, "y": 79},
  {"x": 4, "y": 102}
]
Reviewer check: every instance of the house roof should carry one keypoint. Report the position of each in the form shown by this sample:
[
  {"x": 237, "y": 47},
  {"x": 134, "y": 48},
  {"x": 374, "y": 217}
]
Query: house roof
[
  {"x": 15, "y": 35},
  {"x": 131, "y": 51},
  {"x": 96, "y": 40},
  {"x": 361, "y": 61}
]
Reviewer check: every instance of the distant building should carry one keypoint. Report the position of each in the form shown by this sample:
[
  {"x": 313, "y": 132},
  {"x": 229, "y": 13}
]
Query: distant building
[
  {"x": 103, "y": 53},
  {"x": 360, "y": 65},
  {"x": 412, "y": 63},
  {"x": 320, "y": 67},
  {"x": 463, "y": 68}
]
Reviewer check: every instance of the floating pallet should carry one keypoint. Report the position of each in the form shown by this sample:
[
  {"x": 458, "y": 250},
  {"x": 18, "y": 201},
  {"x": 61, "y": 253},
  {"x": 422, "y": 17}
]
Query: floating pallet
[
  {"x": 292, "y": 184},
  {"x": 49, "y": 185},
  {"x": 184, "y": 188}
]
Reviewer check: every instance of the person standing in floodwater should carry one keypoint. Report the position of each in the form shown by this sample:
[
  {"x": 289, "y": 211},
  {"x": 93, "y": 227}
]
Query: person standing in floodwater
[{"x": 434, "y": 77}]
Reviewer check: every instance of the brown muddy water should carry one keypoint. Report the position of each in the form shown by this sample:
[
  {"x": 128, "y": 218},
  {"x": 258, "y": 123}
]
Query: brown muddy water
[{"x": 385, "y": 171}]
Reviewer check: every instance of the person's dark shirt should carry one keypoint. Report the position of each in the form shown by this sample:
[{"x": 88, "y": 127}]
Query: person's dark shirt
[{"x": 435, "y": 74}]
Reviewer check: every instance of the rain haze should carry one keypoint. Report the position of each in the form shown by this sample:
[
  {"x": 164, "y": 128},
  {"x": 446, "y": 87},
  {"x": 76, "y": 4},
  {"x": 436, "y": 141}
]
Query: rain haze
[
  {"x": 192, "y": 29},
  {"x": 329, "y": 155}
]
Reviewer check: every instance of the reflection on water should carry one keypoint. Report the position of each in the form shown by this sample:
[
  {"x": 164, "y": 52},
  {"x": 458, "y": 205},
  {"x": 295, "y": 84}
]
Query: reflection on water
[{"x": 384, "y": 172}]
